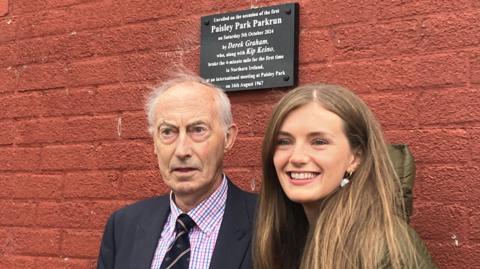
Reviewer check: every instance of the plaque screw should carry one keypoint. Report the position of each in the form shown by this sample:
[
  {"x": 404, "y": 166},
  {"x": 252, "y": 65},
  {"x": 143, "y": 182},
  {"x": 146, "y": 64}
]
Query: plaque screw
[
  {"x": 288, "y": 11},
  {"x": 207, "y": 22},
  {"x": 286, "y": 78}
]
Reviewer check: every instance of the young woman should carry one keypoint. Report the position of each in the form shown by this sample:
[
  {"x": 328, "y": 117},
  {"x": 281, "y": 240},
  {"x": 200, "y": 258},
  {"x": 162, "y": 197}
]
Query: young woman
[{"x": 330, "y": 197}]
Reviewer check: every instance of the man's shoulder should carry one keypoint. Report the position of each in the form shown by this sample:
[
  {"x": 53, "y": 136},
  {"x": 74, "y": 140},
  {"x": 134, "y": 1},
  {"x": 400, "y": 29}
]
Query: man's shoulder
[
  {"x": 142, "y": 207},
  {"x": 249, "y": 199}
]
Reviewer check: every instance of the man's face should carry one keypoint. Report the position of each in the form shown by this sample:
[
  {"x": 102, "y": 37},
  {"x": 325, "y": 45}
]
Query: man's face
[{"x": 190, "y": 142}]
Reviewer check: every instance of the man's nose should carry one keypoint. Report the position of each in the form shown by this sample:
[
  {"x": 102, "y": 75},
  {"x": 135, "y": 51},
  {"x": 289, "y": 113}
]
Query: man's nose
[{"x": 183, "y": 149}]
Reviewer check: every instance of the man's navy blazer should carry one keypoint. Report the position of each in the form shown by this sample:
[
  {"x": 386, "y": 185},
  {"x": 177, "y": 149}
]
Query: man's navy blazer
[{"x": 132, "y": 233}]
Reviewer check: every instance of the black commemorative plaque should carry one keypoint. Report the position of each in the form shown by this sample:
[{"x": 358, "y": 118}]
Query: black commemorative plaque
[{"x": 251, "y": 49}]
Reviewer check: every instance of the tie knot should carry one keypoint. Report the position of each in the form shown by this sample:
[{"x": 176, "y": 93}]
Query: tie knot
[{"x": 184, "y": 223}]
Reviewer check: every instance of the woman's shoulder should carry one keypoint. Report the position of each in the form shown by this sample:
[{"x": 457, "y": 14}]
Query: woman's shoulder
[{"x": 423, "y": 256}]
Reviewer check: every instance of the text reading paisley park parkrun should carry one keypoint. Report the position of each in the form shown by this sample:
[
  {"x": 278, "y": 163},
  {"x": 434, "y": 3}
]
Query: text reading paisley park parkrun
[{"x": 245, "y": 48}]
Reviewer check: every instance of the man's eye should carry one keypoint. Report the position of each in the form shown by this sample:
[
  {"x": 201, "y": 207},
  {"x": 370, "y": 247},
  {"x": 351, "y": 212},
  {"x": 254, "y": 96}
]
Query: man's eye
[
  {"x": 199, "y": 129},
  {"x": 318, "y": 141},
  {"x": 167, "y": 132}
]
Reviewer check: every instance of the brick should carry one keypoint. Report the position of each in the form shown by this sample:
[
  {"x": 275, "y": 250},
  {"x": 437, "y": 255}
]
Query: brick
[
  {"x": 42, "y": 76},
  {"x": 70, "y": 130},
  {"x": 9, "y": 54},
  {"x": 147, "y": 66},
  {"x": 191, "y": 60},
  {"x": 202, "y": 7},
  {"x": 134, "y": 125},
  {"x": 67, "y": 20},
  {"x": 450, "y": 31},
  {"x": 449, "y": 107},
  {"x": 123, "y": 97},
  {"x": 91, "y": 129},
  {"x": 48, "y": 103},
  {"x": 8, "y": 26},
  {"x": 262, "y": 114},
  {"x": 19, "y": 159},
  {"x": 475, "y": 67},
  {"x": 40, "y": 50},
  {"x": 42, "y": 23},
  {"x": 8, "y": 77},
  {"x": 248, "y": 179},
  {"x": 81, "y": 214},
  {"x": 125, "y": 155},
  {"x": 163, "y": 35},
  {"x": 7, "y": 129},
  {"x": 3, "y": 8},
  {"x": 8, "y": 261},
  {"x": 245, "y": 152},
  {"x": 439, "y": 221},
  {"x": 32, "y": 186},
  {"x": 24, "y": 6},
  {"x": 435, "y": 183},
  {"x": 398, "y": 8},
  {"x": 461, "y": 256},
  {"x": 316, "y": 47},
  {"x": 136, "y": 185},
  {"x": 45, "y": 262},
  {"x": 66, "y": 157},
  {"x": 36, "y": 241},
  {"x": 94, "y": 72},
  {"x": 79, "y": 101},
  {"x": 242, "y": 116},
  {"x": 474, "y": 145},
  {"x": 475, "y": 222},
  {"x": 13, "y": 213},
  {"x": 21, "y": 105},
  {"x": 394, "y": 110},
  {"x": 375, "y": 39},
  {"x": 138, "y": 10},
  {"x": 64, "y": 262},
  {"x": 430, "y": 146},
  {"x": 97, "y": 184},
  {"x": 81, "y": 243},
  {"x": 404, "y": 72},
  {"x": 5, "y": 241},
  {"x": 336, "y": 12}
]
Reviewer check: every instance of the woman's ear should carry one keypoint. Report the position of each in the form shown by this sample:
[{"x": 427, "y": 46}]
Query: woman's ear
[{"x": 356, "y": 160}]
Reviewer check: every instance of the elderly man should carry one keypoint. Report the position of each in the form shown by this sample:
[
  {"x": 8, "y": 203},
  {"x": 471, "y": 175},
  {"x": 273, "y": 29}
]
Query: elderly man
[{"x": 205, "y": 221}]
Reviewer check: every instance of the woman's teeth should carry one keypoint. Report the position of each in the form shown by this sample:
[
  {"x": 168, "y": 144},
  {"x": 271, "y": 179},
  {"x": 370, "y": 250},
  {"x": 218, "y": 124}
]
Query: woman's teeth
[{"x": 303, "y": 175}]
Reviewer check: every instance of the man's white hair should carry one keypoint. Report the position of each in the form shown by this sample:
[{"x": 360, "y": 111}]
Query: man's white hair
[{"x": 223, "y": 103}]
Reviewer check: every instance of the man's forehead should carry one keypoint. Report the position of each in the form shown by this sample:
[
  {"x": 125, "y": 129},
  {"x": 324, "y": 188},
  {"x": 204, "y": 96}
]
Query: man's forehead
[{"x": 189, "y": 90}]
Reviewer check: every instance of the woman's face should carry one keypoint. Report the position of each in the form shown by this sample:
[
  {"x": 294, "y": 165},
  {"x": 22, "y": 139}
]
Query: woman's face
[{"x": 312, "y": 153}]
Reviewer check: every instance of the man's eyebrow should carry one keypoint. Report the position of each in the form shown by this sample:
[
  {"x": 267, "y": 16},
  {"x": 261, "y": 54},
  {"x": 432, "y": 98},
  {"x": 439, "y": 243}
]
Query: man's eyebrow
[
  {"x": 198, "y": 122},
  {"x": 163, "y": 123}
]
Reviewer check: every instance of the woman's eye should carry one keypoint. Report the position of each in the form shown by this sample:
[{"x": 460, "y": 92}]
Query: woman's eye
[{"x": 283, "y": 142}]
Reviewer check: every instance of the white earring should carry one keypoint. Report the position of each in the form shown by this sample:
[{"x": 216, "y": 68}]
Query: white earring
[
  {"x": 344, "y": 182},
  {"x": 346, "y": 179}
]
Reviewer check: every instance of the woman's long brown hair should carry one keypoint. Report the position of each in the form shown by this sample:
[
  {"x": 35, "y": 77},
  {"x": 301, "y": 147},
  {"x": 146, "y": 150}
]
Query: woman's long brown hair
[{"x": 359, "y": 226}]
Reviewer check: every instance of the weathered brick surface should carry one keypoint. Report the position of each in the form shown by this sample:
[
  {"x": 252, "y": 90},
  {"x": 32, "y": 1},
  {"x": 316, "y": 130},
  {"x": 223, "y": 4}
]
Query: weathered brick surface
[{"x": 74, "y": 75}]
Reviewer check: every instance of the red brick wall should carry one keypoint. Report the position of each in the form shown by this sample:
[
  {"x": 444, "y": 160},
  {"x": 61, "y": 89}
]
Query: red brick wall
[{"x": 73, "y": 141}]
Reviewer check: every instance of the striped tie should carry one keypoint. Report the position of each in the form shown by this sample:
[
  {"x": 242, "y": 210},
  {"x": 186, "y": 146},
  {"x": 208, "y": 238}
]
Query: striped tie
[{"x": 178, "y": 255}]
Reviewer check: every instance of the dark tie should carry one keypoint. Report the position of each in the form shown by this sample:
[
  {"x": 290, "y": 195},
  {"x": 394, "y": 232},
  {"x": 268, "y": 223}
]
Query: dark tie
[{"x": 178, "y": 255}]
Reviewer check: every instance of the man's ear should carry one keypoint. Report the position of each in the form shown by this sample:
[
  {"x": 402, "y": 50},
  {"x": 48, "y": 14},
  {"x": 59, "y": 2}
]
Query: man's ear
[
  {"x": 155, "y": 146},
  {"x": 230, "y": 137}
]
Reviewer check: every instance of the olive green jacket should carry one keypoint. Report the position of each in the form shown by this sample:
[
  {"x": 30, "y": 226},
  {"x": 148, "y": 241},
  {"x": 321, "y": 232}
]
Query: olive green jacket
[{"x": 404, "y": 165}]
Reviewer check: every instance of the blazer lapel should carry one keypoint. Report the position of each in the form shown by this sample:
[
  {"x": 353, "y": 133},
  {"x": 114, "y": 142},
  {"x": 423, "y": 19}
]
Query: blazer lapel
[
  {"x": 234, "y": 236},
  {"x": 147, "y": 235}
]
